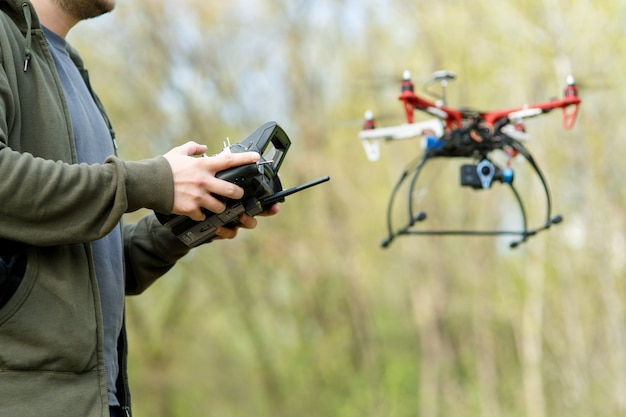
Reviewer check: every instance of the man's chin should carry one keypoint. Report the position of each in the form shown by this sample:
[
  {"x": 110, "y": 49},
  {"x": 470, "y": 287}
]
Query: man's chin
[{"x": 87, "y": 9}]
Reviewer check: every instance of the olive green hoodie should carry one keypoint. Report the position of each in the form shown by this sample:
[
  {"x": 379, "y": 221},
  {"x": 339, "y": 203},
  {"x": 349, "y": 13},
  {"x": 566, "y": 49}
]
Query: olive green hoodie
[{"x": 51, "y": 341}]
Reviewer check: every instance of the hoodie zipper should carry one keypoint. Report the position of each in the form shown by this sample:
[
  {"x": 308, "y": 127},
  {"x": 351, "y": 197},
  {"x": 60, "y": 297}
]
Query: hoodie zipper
[{"x": 123, "y": 389}]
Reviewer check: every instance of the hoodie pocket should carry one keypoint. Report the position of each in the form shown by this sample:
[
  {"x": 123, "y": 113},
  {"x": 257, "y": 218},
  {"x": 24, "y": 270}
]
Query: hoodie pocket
[
  {"x": 51, "y": 321},
  {"x": 12, "y": 270}
]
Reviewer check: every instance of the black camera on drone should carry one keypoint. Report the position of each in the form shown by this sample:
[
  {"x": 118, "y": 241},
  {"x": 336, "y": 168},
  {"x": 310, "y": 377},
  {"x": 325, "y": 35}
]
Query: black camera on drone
[
  {"x": 482, "y": 175},
  {"x": 260, "y": 182}
]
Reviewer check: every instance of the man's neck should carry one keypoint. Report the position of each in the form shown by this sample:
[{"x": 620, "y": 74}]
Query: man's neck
[{"x": 53, "y": 17}]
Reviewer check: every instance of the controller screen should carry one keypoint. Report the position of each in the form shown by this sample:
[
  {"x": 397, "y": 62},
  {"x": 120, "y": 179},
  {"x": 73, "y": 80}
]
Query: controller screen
[{"x": 272, "y": 153}]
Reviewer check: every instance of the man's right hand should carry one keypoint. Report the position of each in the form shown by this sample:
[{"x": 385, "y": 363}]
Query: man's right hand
[{"x": 195, "y": 181}]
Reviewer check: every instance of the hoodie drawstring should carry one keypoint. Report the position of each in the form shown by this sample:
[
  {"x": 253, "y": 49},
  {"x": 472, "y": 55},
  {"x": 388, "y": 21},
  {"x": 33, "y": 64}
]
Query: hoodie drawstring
[{"x": 29, "y": 21}]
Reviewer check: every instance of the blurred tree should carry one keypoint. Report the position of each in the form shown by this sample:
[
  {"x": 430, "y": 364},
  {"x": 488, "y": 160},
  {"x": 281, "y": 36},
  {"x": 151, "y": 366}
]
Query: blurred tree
[{"x": 306, "y": 315}]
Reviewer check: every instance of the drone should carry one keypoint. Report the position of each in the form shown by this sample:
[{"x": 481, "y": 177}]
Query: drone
[{"x": 464, "y": 133}]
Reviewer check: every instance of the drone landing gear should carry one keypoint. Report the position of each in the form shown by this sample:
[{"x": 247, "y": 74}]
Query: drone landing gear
[
  {"x": 421, "y": 216},
  {"x": 478, "y": 176}
]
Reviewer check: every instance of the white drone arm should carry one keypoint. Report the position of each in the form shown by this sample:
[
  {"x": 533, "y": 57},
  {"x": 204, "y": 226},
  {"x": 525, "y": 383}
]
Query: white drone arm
[{"x": 370, "y": 138}]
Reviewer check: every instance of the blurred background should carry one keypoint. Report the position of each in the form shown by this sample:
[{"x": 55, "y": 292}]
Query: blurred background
[{"x": 307, "y": 315}]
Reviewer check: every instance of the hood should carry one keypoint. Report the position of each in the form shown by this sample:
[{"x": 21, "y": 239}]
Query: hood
[
  {"x": 15, "y": 10},
  {"x": 23, "y": 14}
]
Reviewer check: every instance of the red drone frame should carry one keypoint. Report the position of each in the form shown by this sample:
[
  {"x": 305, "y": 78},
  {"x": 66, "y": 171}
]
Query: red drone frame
[{"x": 454, "y": 118}]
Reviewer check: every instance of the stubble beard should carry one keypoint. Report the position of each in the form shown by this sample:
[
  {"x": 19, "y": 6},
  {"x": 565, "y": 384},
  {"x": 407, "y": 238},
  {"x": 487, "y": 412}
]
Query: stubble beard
[{"x": 86, "y": 9}]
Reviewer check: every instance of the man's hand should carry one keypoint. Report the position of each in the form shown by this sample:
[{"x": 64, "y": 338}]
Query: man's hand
[
  {"x": 247, "y": 222},
  {"x": 195, "y": 182}
]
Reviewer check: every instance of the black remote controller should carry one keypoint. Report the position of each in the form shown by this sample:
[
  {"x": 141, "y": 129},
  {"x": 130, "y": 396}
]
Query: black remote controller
[{"x": 260, "y": 181}]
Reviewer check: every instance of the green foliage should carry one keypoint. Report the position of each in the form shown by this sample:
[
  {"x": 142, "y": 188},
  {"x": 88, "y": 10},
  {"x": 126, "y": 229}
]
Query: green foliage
[{"x": 306, "y": 315}]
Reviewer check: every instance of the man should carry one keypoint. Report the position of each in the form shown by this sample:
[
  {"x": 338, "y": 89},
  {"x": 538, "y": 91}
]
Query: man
[{"x": 66, "y": 261}]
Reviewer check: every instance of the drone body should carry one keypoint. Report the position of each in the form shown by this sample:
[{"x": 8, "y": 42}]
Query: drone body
[{"x": 457, "y": 133}]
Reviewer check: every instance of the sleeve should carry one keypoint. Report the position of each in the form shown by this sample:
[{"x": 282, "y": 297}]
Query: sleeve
[
  {"x": 150, "y": 250},
  {"x": 47, "y": 203}
]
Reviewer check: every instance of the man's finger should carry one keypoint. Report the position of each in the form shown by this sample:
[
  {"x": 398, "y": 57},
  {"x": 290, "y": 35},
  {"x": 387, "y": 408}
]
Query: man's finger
[
  {"x": 224, "y": 161},
  {"x": 191, "y": 148}
]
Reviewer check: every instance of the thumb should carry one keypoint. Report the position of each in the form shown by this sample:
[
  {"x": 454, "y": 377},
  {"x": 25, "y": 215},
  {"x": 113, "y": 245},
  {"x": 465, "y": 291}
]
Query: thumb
[{"x": 190, "y": 148}]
